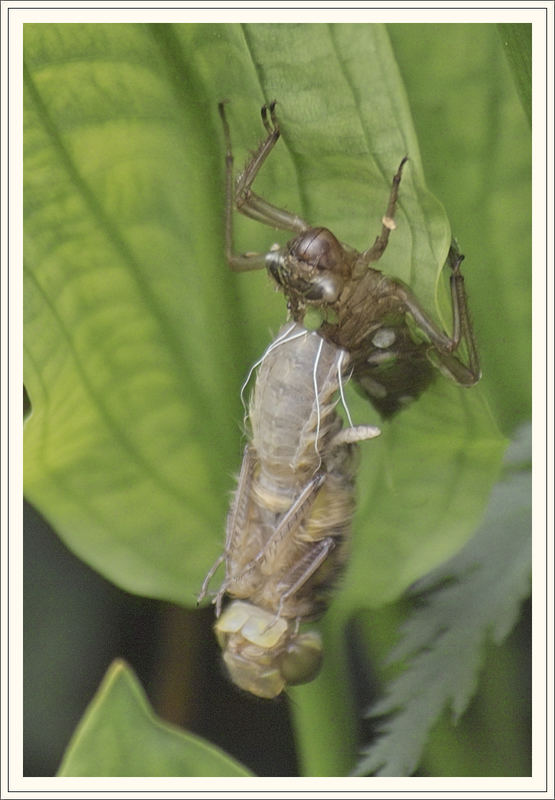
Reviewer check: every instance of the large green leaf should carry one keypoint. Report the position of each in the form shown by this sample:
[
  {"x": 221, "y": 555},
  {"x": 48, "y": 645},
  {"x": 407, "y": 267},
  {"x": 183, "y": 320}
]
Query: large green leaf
[
  {"x": 120, "y": 735},
  {"x": 517, "y": 43},
  {"x": 476, "y": 147},
  {"x": 137, "y": 335}
]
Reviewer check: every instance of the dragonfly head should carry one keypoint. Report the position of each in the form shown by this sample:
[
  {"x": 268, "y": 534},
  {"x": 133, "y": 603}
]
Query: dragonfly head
[
  {"x": 310, "y": 267},
  {"x": 263, "y": 654}
]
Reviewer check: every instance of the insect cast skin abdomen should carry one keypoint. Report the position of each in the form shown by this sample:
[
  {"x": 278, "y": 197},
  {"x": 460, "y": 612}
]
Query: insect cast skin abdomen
[{"x": 289, "y": 528}]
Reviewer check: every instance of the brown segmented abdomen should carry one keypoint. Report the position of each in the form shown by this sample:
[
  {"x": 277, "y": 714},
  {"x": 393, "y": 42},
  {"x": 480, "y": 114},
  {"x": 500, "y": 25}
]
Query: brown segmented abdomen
[
  {"x": 292, "y": 422},
  {"x": 288, "y": 528}
]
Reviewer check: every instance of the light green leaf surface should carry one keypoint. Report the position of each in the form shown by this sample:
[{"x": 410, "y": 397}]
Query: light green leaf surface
[
  {"x": 517, "y": 44},
  {"x": 120, "y": 735},
  {"x": 442, "y": 643},
  {"x": 138, "y": 336},
  {"x": 476, "y": 147}
]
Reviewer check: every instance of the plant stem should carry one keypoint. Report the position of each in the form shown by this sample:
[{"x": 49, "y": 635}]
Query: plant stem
[{"x": 323, "y": 712}]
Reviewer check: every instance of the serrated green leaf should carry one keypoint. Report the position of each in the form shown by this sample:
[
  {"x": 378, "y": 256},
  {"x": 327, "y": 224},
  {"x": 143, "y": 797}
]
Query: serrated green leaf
[
  {"x": 120, "y": 735},
  {"x": 442, "y": 642}
]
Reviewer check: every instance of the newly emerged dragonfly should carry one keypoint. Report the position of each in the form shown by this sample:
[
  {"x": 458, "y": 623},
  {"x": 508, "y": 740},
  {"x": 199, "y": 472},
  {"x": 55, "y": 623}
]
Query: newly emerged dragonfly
[
  {"x": 394, "y": 345},
  {"x": 288, "y": 528}
]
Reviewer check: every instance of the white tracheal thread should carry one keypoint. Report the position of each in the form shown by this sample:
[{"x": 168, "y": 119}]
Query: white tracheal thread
[
  {"x": 317, "y": 399},
  {"x": 283, "y": 339},
  {"x": 340, "y": 382}
]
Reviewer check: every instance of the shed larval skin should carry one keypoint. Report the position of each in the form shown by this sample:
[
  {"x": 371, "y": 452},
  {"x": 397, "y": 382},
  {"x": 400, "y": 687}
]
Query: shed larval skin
[{"x": 289, "y": 525}]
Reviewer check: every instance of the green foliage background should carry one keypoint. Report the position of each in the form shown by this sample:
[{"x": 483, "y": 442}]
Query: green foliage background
[{"x": 137, "y": 336}]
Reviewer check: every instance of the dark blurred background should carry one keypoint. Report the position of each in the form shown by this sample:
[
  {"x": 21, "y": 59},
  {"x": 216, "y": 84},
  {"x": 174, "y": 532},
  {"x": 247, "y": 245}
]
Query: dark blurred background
[{"x": 76, "y": 623}]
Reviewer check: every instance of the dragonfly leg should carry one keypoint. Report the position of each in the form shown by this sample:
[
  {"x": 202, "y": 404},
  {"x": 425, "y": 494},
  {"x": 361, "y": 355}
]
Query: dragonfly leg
[
  {"x": 375, "y": 252},
  {"x": 236, "y": 520},
  {"x": 442, "y": 350},
  {"x": 287, "y": 523},
  {"x": 245, "y": 200},
  {"x": 304, "y": 569}
]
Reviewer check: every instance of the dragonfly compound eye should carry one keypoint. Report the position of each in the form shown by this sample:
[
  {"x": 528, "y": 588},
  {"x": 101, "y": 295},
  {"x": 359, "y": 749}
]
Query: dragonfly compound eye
[
  {"x": 319, "y": 248},
  {"x": 302, "y": 659},
  {"x": 313, "y": 265}
]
